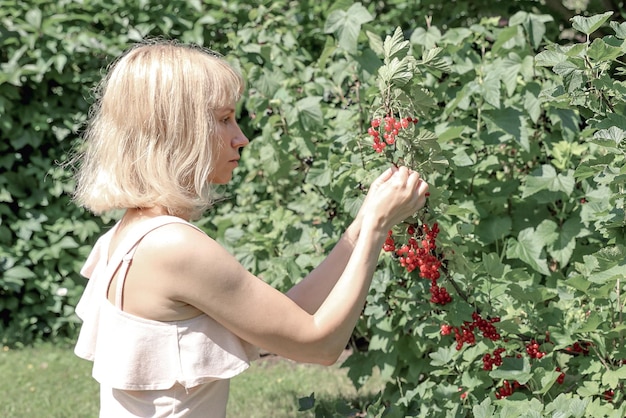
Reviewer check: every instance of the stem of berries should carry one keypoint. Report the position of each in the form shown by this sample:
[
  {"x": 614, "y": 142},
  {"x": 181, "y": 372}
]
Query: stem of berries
[
  {"x": 388, "y": 129},
  {"x": 465, "y": 334},
  {"x": 419, "y": 253},
  {"x": 507, "y": 389}
]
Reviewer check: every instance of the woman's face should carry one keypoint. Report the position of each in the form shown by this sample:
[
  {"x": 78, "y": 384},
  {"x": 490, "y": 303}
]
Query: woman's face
[{"x": 232, "y": 140}]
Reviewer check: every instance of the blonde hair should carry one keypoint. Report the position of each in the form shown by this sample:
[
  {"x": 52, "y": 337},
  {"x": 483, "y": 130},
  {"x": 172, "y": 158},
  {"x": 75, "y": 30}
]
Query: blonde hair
[{"x": 150, "y": 140}]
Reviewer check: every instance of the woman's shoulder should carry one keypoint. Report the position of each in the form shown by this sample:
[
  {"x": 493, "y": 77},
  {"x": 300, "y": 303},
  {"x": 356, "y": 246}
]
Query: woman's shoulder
[
  {"x": 179, "y": 243},
  {"x": 176, "y": 234}
]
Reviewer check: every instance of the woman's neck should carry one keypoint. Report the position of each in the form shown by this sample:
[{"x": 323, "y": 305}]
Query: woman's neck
[{"x": 133, "y": 215}]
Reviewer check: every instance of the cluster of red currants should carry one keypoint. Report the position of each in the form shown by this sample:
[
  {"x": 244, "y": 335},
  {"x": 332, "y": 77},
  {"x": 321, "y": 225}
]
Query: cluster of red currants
[
  {"x": 532, "y": 348},
  {"x": 465, "y": 334},
  {"x": 561, "y": 377},
  {"x": 420, "y": 253},
  {"x": 390, "y": 128},
  {"x": 495, "y": 359},
  {"x": 507, "y": 389},
  {"x": 579, "y": 347}
]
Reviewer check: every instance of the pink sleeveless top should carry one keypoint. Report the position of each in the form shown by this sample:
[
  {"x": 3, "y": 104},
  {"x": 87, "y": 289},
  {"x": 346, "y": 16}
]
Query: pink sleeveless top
[{"x": 149, "y": 368}]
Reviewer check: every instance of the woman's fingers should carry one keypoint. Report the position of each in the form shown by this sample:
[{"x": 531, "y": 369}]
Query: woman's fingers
[
  {"x": 414, "y": 179},
  {"x": 402, "y": 195},
  {"x": 422, "y": 190},
  {"x": 396, "y": 194},
  {"x": 386, "y": 175}
]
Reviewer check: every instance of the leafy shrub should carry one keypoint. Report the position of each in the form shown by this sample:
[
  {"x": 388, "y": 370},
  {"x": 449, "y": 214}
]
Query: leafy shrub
[
  {"x": 528, "y": 194},
  {"x": 52, "y": 56},
  {"x": 521, "y": 138}
]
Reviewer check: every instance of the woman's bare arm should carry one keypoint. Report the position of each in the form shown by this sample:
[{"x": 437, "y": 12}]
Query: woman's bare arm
[
  {"x": 311, "y": 292},
  {"x": 212, "y": 280}
]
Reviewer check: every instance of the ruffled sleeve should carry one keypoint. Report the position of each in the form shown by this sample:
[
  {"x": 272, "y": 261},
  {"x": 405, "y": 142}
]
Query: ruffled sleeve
[
  {"x": 95, "y": 263},
  {"x": 134, "y": 353}
]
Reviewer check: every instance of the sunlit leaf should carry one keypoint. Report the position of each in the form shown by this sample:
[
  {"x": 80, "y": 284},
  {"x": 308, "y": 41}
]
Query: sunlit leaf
[
  {"x": 526, "y": 247},
  {"x": 588, "y": 25},
  {"x": 427, "y": 38},
  {"x": 611, "y": 378},
  {"x": 484, "y": 410},
  {"x": 546, "y": 178},
  {"x": 601, "y": 51},
  {"x": 346, "y": 25},
  {"x": 513, "y": 369},
  {"x": 310, "y": 112},
  {"x": 619, "y": 28}
]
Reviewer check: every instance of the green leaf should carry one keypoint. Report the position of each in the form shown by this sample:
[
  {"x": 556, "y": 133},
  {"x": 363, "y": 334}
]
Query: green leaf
[
  {"x": 559, "y": 406},
  {"x": 601, "y": 51},
  {"x": 33, "y": 17},
  {"x": 376, "y": 42},
  {"x": 619, "y": 28},
  {"x": 379, "y": 342},
  {"x": 578, "y": 407},
  {"x": 307, "y": 402},
  {"x": 532, "y": 104},
  {"x": 531, "y": 294},
  {"x": 396, "y": 71},
  {"x": 513, "y": 369},
  {"x": 526, "y": 248},
  {"x": 310, "y": 113},
  {"x": 550, "y": 58},
  {"x": 588, "y": 25},
  {"x": 518, "y": 18},
  {"x": 320, "y": 176},
  {"x": 18, "y": 273},
  {"x": 546, "y": 178},
  {"x": 611, "y": 378},
  {"x": 329, "y": 49},
  {"x": 578, "y": 282},
  {"x": 547, "y": 381},
  {"x": 456, "y": 210},
  {"x": 563, "y": 248},
  {"x": 346, "y": 25},
  {"x": 484, "y": 410},
  {"x": 504, "y": 36},
  {"x": 608, "y": 275},
  {"x": 535, "y": 28},
  {"x": 490, "y": 89},
  {"x": 546, "y": 232},
  {"x": 451, "y": 132},
  {"x": 511, "y": 121},
  {"x": 395, "y": 46},
  {"x": 591, "y": 324},
  {"x": 432, "y": 58},
  {"x": 461, "y": 159},
  {"x": 428, "y": 38},
  {"x": 494, "y": 228},
  {"x": 611, "y": 137},
  {"x": 443, "y": 356}
]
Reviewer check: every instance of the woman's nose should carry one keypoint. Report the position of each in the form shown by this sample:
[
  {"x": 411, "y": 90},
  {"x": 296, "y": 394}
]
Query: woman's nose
[{"x": 240, "y": 140}]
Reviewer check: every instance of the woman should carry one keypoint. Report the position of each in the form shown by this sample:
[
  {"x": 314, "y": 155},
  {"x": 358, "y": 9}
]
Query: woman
[{"x": 168, "y": 314}]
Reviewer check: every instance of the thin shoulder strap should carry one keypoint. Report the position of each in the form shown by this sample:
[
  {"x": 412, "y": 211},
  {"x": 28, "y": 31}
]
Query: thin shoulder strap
[
  {"x": 123, "y": 255},
  {"x": 121, "y": 278}
]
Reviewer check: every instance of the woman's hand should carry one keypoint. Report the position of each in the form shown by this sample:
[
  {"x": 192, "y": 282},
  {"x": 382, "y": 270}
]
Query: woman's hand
[
  {"x": 394, "y": 196},
  {"x": 358, "y": 220}
]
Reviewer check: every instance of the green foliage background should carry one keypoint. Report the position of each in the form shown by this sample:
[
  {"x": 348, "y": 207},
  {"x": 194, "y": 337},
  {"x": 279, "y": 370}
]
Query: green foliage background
[{"x": 522, "y": 108}]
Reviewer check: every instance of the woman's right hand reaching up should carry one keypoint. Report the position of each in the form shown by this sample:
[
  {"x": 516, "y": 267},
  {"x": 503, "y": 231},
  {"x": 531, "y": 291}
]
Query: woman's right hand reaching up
[{"x": 393, "y": 197}]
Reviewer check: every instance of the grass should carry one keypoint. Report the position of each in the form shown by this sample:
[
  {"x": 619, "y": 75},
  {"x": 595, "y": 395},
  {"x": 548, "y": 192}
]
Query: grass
[
  {"x": 50, "y": 381},
  {"x": 46, "y": 381}
]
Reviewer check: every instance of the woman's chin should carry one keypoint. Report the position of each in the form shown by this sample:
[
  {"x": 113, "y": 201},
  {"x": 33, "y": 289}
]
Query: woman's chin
[{"x": 220, "y": 181}]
